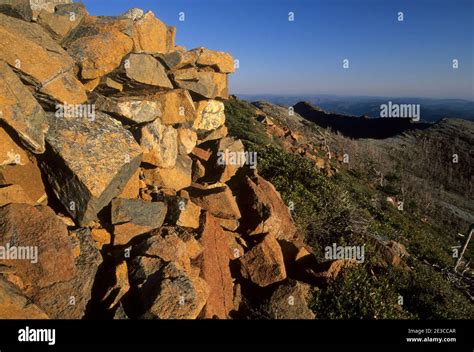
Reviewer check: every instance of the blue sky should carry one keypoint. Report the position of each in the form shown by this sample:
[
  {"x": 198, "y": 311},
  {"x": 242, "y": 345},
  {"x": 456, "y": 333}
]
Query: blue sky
[{"x": 386, "y": 57}]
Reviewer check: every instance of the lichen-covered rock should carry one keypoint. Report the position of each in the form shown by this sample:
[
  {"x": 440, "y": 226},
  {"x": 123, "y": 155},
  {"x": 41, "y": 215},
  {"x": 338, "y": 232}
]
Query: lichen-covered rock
[
  {"x": 29, "y": 9},
  {"x": 200, "y": 57},
  {"x": 63, "y": 21},
  {"x": 10, "y": 152},
  {"x": 230, "y": 157},
  {"x": 28, "y": 176},
  {"x": 187, "y": 139},
  {"x": 177, "y": 107},
  {"x": 20, "y": 110},
  {"x": 40, "y": 61},
  {"x": 183, "y": 212},
  {"x": 100, "y": 54},
  {"x": 176, "y": 178},
  {"x": 210, "y": 115},
  {"x": 150, "y": 35},
  {"x": 130, "y": 109},
  {"x": 14, "y": 194},
  {"x": 89, "y": 162},
  {"x": 222, "y": 62},
  {"x": 159, "y": 144}
]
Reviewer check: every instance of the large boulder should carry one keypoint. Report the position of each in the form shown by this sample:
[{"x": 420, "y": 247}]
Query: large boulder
[
  {"x": 14, "y": 194},
  {"x": 100, "y": 54},
  {"x": 129, "y": 109},
  {"x": 61, "y": 287},
  {"x": 264, "y": 210},
  {"x": 171, "y": 107},
  {"x": 166, "y": 291},
  {"x": 200, "y": 57},
  {"x": 69, "y": 299},
  {"x": 40, "y": 61},
  {"x": 264, "y": 264},
  {"x": 29, "y": 9},
  {"x": 177, "y": 107},
  {"x": 63, "y": 21},
  {"x": 89, "y": 162},
  {"x": 41, "y": 235},
  {"x": 20, "y": 110},
  {"x": 230, "y": 157},
  {"x": 183, "y": 212},
  {"x": 151, "y": 36},
  {"x": 166, "y": 243}
]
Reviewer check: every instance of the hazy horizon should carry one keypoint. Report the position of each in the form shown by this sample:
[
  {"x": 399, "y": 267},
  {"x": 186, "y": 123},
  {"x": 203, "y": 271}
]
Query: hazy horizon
[{"x": 386, "y": 57}]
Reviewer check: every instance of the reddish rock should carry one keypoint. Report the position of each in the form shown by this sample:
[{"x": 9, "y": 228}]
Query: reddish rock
[
  {"x": 264, "y": 210},
  {"x": 264, "y": 264},
  {"x": 44, "y": 234},
  {"x": 215, "y": 269},
  {"x": 27, "y": 176},
  {"x": 219, "y": 201}
]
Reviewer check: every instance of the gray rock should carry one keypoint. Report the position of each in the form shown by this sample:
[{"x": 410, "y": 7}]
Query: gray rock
[
  {"x": 144, "y": 69},
  {"x": 140, "y": 212},
  {"x": 135, "y": 110},
  {"x": 290, "y": 301},
  {"x": 20, "y": 110}
]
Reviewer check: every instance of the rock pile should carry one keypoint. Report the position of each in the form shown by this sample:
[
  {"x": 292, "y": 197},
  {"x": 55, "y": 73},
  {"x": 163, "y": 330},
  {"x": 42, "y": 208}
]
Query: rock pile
[{"x": 114, "y": 201}]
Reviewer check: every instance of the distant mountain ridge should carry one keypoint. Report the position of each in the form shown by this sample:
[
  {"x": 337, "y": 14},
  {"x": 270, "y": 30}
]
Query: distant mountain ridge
[
  {"x": 357, "y": 127},
  {"x": 431, "y": 109}
]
